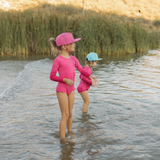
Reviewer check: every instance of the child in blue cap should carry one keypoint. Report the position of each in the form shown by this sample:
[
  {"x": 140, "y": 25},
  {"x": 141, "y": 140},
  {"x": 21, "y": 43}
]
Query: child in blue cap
[{"x": 85, "y": 83}]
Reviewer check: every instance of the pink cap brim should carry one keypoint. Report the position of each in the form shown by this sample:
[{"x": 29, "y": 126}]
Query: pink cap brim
[{"x": 77, "y": 39}]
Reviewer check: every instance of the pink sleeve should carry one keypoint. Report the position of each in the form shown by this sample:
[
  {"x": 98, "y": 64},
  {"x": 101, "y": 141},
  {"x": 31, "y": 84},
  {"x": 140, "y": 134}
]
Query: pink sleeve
[
  {"x": 80, "y": 68},
  {"x": 87, "y": 80},
  {"x": 55, "y": 67}
]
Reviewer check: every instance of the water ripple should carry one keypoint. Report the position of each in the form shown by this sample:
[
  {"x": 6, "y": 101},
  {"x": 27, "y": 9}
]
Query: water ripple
[{"x": 122, "y": 122}]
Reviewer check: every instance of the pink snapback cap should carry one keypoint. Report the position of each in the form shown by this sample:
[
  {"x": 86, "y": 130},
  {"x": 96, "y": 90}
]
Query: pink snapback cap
[{"x": 66, "y": 38}]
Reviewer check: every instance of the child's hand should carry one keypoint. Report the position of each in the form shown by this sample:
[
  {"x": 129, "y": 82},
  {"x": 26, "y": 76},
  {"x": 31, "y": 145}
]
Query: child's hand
[
  {"x": 92, "y": 77},
  {"x": 68, "y": 81},
  {"x": 94, "y": 82}
]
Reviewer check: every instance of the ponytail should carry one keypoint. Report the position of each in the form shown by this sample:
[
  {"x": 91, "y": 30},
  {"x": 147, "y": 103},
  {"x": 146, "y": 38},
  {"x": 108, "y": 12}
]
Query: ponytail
[
  {"x": 55, "y": 50},
  {"x": 53, "y": 43}
]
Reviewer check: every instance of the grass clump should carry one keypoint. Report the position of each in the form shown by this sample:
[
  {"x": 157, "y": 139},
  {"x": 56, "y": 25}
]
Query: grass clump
[
  {"x": 156, "y": 23},
  {"x": 28, "y": 32}
]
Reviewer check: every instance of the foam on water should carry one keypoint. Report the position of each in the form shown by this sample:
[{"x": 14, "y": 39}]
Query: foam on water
[{"x": 21, "y": 82}]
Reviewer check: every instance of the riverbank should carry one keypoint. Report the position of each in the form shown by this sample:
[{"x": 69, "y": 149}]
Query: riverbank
[
  {"x": 146, "y": 9},
  {"x": 28, "y": 31}
]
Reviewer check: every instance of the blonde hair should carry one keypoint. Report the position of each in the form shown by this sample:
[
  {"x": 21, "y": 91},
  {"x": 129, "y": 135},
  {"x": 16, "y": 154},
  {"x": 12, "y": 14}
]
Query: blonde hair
[
  {"x": 55, "y": 50},
  {"x": 53, "y": 42}
]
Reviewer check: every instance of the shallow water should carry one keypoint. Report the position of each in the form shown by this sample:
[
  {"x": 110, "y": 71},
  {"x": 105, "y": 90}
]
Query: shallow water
[{"x": 122, "y": 123}]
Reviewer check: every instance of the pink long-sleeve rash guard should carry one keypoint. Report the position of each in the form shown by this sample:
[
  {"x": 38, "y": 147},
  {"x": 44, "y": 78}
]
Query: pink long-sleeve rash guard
[
  {"x": 66, "y": 68},
  {"x": 85, "y": 83}
]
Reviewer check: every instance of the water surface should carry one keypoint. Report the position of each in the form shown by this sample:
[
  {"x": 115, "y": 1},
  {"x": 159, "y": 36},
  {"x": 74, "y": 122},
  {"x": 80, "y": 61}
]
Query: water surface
[{"x": 122, "y": 122}]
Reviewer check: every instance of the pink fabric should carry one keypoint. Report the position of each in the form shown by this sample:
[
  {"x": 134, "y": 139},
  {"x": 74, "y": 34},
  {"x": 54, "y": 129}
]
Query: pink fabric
[
  {"x": 66, "y": 69},
  {"x": 85, "y": 82}
]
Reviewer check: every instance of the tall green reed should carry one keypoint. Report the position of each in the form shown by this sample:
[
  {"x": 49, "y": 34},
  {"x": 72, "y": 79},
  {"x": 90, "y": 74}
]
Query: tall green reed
[{"x": 28, "y": 32}]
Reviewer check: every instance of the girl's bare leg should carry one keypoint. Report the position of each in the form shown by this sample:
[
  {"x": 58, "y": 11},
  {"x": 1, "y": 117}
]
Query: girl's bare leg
[
  {"x": 71, "y": 97},
  {"x": 85, "y": 98},
  {"x": 63, "y": 103}
]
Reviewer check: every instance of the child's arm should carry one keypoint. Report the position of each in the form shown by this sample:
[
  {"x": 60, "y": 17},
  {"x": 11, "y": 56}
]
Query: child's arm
[
  {"x": 80, "y": 68},
  {"x": 87, "y": 80},
  {"x": 55, "y": 67},
  {"x": 85, "y": 73}
]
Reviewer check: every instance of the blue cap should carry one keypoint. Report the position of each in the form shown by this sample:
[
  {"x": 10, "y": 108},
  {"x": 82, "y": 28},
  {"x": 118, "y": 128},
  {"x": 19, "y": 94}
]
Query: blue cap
[{"x": 93, "y": 57}]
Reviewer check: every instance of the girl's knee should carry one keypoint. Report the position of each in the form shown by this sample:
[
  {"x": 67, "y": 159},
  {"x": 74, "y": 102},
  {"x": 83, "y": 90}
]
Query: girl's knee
[
  {"x": 70, "y": 115},
  {"x": 65, "y": 116},
  {"x": 87, "y": 102}
]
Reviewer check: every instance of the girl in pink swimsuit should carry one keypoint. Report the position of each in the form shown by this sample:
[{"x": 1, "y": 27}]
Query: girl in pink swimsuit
[
  {"x": 85, "y": 83},
  {"x": 65, "y": 65}
]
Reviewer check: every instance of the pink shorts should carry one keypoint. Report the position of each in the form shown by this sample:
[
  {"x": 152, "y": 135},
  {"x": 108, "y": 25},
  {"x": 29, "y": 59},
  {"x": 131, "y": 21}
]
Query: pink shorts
[
  {"x": 83, "y": 86},
  {"x": 65, "y": 88},
  {"x": 80, "y": 89}
]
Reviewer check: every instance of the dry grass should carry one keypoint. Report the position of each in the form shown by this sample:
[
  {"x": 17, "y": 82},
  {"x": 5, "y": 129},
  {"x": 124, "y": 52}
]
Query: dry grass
[{"x": 147, "y": 9}]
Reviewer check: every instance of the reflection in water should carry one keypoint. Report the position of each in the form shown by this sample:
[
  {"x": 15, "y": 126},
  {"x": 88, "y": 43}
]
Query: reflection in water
[
  {"x": 85, "y": 117},
  {"x": 67, "y": 148},
  {"x": 86, "y": 127}
]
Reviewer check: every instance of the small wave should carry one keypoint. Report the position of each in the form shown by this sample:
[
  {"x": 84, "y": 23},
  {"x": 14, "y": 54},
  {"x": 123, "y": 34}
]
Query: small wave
[
  {"x": 16, "y": 87},
  {"x": 154, "y": 52},
  {"x": 25, "y": 78}
]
